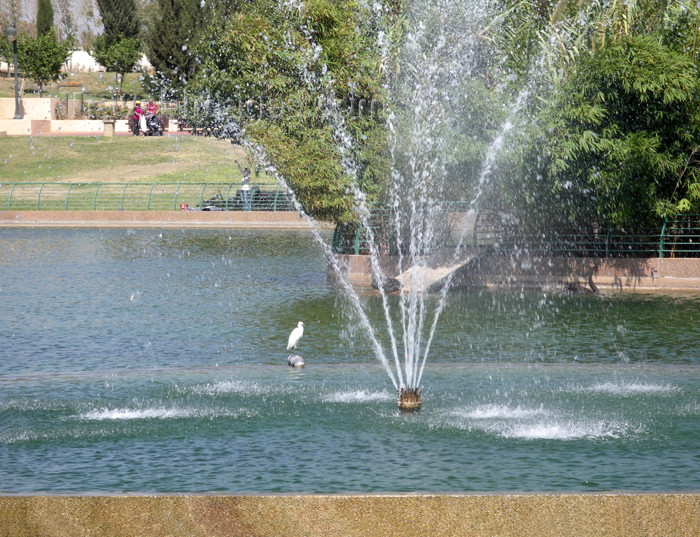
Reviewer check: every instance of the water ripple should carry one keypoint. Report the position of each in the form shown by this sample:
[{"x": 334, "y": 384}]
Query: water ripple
[
  {"x": 630, "y": 389},
  {"x": 358, "y": 396},
  {"x": 161, "y": 413}
]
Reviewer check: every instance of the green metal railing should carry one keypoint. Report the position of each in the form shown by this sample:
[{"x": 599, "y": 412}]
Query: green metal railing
[
  {"x": 678, "y": 237},
  {"x": 140, "y": 196},
  {"x": 354, "y": 239}
]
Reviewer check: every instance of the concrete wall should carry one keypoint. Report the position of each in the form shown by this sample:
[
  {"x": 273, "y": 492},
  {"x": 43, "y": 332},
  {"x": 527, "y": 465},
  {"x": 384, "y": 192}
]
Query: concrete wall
[
  {"x": 41, "y": 109},
  {"x": 636, "y": 274},
  {"x": 37, "y": 127},
  {"x": 122, "y": 126},
  {"x": 25, "y": 127},
  {"x": 359, "y": 270},
  {"x": 644, "y": 274},
  {"x": 516, "y": 515},
  {"x": 203, "y": 219},
  {"x": 7, "y": 108},
  {"x": 83, "y": 126},
  {"x": 16, "y": 127}
]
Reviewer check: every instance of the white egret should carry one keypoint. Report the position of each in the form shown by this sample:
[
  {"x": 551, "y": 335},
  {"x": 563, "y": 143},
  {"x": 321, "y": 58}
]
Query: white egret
[{"x": 295, "y": 336}]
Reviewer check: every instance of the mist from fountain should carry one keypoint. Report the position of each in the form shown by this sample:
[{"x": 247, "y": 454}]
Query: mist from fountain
[{"x": 436, "y": 67}]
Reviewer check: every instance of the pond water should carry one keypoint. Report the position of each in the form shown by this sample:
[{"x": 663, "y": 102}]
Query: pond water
[{"x": 155, "y": 361}]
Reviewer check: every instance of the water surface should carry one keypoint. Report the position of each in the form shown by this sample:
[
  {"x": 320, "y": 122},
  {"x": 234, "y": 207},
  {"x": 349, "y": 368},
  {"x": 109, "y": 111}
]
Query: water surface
[{"x": 154, "y": 361}]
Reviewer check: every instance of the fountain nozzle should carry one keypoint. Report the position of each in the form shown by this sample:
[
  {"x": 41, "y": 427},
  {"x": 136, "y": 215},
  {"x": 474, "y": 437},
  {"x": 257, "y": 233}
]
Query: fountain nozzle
[{"x": 409, "y": 400}]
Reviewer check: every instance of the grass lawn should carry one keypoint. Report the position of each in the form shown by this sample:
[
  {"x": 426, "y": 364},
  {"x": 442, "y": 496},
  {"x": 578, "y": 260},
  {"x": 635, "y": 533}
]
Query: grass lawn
[
  {"x": 124, "y": 172},
  {"x": 7, "y": 85},
  {"x": 60, "y": 172},
  {"x": 74, "y": 159}
]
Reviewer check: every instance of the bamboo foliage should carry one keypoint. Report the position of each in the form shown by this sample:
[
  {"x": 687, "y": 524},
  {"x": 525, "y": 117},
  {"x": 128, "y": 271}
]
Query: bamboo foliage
[{"x": 616, "y": 119}]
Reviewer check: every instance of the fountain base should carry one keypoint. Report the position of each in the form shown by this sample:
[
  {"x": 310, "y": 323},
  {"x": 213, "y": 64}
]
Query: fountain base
[{"x": 409, "y": 400}]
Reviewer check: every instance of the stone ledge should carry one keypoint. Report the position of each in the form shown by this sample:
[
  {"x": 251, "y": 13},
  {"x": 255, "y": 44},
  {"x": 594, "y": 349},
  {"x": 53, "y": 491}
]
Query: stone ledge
[
  {"x": 614, "y": 275},
  {"x": 505, "y": 515},
  {"x": 157, "y": 219}
]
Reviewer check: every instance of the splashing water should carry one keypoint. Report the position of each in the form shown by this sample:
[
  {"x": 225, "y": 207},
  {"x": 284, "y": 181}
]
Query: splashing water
[{"x": 436, "y": 66}]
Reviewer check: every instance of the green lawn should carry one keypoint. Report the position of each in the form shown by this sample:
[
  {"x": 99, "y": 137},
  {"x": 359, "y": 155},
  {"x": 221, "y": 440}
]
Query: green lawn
[
  {"x": 124, "y": 172},
  {"x": 61, "y": 172},
  {"x": 189, "y": 159}
]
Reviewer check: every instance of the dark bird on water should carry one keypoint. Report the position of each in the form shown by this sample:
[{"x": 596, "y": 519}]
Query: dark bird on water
[
  {"x": 389, "y": 285},
  {"x": 576, "y": 287}
]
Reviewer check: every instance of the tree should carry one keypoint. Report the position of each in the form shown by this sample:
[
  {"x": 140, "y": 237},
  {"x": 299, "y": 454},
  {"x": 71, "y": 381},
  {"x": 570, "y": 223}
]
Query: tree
[
  {"x": 615, "y": 123},
  {"x": 5, "y": 47},
  {"x": 41, "y": 58},
  {"x": 119, "y": 57},
  {"x": 118, "y": 49},
  {"x": 263, "y": 59},
  {"x": 44, "y": 17},
  {"x": 65, "y": 21},
  {"x": 630, "y": 126},
  {"x": 119, "y": 18},
  {"x": 173, "y": 30},
  {"x": 6, "y": 15}
]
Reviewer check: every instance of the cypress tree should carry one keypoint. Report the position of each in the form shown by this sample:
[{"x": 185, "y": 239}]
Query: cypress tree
[
  {"x": 44, "y": 17},
  {"x": 119, "y": 18},
  {"x": 172, "y": 32},
  {"x": 118, "y": 48}
]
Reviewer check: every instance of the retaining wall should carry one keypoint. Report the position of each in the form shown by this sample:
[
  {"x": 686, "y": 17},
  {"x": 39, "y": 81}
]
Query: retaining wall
[
  {"x": 521, "y": 515},
  {"x": 35, "y": 108},
  {"x": 148, "y": 219},
  {"x": 82, "y": 127},
  {"x": 643, "y": 274},
  {"x": 634, "y": 274}
]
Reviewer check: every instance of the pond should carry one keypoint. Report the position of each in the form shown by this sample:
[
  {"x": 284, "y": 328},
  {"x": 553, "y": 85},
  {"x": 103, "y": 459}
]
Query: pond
[{"x": 155, "y": 361}]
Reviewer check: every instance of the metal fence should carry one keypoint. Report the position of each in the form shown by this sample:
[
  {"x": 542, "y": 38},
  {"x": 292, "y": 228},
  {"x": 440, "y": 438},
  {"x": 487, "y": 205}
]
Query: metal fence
[
  {"x": 678, "y": 237},
  {"x": 141, "y": 197},
  {"x": 354, "y": 239}
]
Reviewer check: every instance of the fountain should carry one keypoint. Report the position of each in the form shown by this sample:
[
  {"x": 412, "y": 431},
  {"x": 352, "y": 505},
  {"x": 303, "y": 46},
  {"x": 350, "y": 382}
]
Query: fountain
[
  {"x": 129, "y": 368},
  {"x": 439, "y": 57}
]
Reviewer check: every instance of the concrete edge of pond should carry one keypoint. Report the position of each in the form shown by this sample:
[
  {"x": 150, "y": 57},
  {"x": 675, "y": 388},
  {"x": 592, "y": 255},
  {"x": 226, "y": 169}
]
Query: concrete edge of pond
[
  {"x": 156, "y": 219},
  {"x": 536, "y": 271},
  {"x": 673, "y": 514},
  {"x": 497, "y": 271}
]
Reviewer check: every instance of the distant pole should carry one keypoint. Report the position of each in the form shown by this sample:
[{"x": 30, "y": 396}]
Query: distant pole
[{"x": 12, "y": 36}]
